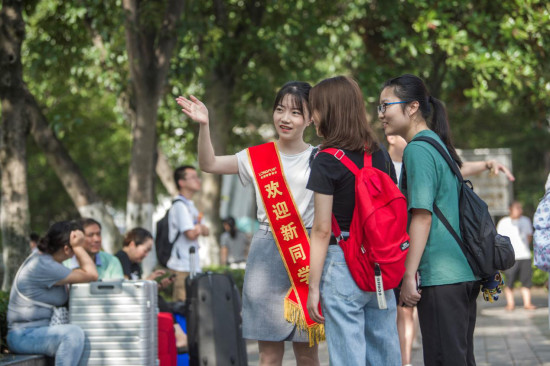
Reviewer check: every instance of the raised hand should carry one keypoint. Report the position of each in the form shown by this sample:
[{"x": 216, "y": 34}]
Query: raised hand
[
  {"x": 495, "y": 168},
  {"x": 194, "y": 109},
  {"x": 76, "y": 238}
]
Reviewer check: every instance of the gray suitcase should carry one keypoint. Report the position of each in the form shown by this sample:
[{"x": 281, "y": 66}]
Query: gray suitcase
[{"x": 119, "y": 319}]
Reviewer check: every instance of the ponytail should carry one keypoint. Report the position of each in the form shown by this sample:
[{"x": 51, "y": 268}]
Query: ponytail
[
  {"x": 440, "y": 125},
  {"x": 411, "y": 88}
]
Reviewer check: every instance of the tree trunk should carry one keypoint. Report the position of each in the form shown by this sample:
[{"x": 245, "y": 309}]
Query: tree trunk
[
  {"x": 149, "y": 52},
  {"x": 142, "y": 166},
  {"x": 217, "y": 98},
  {"x": 165, "y": 173},
  {"x": 14, "y": 205},
  {"x": 84, "y": 198}
]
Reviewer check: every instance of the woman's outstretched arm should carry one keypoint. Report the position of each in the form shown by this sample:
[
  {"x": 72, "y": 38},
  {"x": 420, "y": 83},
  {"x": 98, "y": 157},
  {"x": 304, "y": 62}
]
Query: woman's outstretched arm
[{"x": 208, "y": 161}]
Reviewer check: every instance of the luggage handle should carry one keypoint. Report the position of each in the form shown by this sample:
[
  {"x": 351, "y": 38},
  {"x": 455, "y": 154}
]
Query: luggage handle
[
  {"x": 192, "y": 263},
  {"x": 114, "y": 287}
]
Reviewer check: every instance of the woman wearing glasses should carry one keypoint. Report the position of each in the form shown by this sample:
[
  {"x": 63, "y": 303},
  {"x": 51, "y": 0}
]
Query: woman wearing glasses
[{"x": 446, "y": 280}]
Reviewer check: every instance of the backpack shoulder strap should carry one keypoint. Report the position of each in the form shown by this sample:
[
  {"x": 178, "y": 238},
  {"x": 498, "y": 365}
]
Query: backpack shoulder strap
[
  {"x": 454, "y": 167},
  {"x": 177, "y": 199},
  {"x": 452, "y": 164},
  {"x": 341, "y": 155},
  {"x": 179, "y": 232}
]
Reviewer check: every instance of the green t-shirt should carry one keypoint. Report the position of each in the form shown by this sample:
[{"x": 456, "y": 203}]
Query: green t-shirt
[
  {"x": 108, "y": 266},
  {"x": 429, "y": 180}
]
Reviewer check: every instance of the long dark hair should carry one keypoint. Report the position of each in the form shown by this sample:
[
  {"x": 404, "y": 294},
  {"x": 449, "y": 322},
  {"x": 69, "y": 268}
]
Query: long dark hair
[
  {"x": 411, "y": 88},
  {"x": 338, "y": 104},
  {"x": 58, "y": 235},
  {"x": 232, "y": 228}
]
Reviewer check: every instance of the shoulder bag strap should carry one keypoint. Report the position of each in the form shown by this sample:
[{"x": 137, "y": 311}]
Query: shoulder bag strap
[
  {"x": 35, "y": 302},
  {"x": 456, "y": 171}
]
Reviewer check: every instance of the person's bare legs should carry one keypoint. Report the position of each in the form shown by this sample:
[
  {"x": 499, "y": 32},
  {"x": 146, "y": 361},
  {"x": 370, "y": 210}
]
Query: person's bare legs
[
  {"x": 509, "y": 293},
  {"x": 526, "y": 294},
  {"x": 181, "y": 337},
  {"x": 306, "y": 355},
  {"x": 271, "y": 353},
  {"x": 406, "y": 330}
]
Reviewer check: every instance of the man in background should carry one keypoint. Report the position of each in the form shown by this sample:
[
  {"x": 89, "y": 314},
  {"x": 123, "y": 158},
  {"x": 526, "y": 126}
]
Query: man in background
[
  {"x": 108, "y": 266},
  {"x": 184, "y": 228},
  {"x": 520, "y": 231}
]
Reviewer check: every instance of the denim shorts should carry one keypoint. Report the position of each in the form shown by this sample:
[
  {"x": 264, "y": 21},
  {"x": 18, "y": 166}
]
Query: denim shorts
[{"x": 266, "y": 284}]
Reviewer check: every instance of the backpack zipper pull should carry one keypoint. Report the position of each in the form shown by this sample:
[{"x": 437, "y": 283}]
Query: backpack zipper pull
[
  {"x": 380, "y": 295},
  {"x": 363, "y": 250}
]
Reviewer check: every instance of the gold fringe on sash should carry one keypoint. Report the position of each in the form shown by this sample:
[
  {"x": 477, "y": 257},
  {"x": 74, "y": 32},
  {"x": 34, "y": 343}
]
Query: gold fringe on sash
[{"x": 294, "y": 315}]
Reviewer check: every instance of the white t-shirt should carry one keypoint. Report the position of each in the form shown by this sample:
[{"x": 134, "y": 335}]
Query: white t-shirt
[
  {"x": 398, "y": 165},
  {"x": 518, "y": 231},
  {"x": 183, "y": 216},
  {"x": 296, "y": 169}
]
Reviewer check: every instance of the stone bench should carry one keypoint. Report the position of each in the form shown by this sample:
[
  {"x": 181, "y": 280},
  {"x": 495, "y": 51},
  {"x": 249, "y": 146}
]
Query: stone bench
[{"x": 25, "y": 360}]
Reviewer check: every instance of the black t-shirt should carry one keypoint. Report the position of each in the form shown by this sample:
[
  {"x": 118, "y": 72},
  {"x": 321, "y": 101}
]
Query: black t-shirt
[
  {"x": 329, "y": 176},
  {"x": 130, "y": 269}
]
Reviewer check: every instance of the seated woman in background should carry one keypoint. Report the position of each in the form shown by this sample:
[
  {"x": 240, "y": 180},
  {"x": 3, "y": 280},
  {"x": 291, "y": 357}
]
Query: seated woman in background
[
  {"x": 43, "y": 278},
  {"x": 137, "y": 243}
]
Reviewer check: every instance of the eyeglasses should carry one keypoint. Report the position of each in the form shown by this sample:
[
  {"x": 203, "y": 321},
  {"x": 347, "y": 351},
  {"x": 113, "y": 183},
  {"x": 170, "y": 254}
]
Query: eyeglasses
[
  {"x": 382, "y": 107},
  {"x": 193, "y": 178}
]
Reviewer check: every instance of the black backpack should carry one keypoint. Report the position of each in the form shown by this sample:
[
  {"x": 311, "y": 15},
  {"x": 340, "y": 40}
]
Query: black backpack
[
  {"x": 485, "y": 250},
  {"x": 163, "y": 245}
]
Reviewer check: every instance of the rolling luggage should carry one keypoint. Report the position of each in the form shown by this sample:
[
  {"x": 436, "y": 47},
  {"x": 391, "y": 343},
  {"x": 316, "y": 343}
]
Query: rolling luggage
[
  {"x": 214, "y": 324},
  {"x": 119, "y": 319},
  {"x": 167, "y": 352}
]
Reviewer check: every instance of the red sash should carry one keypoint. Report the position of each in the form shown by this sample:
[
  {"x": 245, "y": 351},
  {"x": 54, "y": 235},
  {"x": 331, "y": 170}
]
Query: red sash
[{"x": 289, "y": 234}]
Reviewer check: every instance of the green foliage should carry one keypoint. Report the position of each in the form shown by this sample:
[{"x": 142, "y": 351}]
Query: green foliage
[
  {"x": 4, "y": 300},
  {"x": 250, "y": 48},
  {"x": 540, "y": 277},
  {"x": 486, "y": 60},
  {"x": 77, "y": 82}
]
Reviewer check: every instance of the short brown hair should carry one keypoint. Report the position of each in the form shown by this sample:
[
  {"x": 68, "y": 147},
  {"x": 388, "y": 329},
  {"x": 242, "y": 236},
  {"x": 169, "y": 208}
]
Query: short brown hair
[
  {"x": 137, "y": 235},
  {"x": 338, "y": 104},
  {"x": 88, "y": 221}
]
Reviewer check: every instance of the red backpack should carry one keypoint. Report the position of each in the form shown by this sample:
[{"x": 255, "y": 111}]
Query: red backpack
[{"x": 378, "y": 242}]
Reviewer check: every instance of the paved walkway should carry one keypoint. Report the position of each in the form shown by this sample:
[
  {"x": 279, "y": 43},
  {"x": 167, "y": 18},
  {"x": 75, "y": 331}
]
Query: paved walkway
[{"x": 503, "y": 338}]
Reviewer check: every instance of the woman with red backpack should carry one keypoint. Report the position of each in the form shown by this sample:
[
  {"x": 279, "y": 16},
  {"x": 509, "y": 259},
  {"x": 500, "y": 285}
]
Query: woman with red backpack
[
  {"x": 359, "y": 330},
  {"x": 446, "y": 279}
]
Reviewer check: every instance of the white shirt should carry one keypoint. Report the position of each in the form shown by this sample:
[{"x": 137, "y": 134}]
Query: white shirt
[
  {"x": 518, "y": 231},
  {"x": 296, "y": 169},
  {"x": 183, "y": 216},
  {"x": 398, "y": 165}
]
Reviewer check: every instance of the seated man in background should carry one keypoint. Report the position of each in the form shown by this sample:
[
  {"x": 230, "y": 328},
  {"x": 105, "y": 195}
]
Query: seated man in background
[{"x": 108, "y": 266}]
